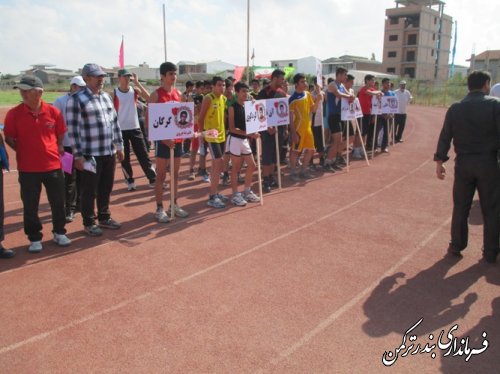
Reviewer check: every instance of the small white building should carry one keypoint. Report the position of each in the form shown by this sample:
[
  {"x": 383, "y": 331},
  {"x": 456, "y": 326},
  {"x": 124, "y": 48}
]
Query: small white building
[{"x": 305, "y": 65}]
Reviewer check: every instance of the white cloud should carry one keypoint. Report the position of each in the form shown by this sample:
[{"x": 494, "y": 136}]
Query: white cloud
[{"x": 72, "y": 33}]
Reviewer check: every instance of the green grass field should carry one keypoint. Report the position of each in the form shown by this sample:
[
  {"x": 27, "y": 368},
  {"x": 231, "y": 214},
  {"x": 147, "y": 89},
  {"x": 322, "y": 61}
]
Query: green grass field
[{"x": 9, "y": 98}]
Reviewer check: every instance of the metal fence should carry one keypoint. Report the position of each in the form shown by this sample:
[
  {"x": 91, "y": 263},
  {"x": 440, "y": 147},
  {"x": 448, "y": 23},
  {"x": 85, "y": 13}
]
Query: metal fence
[{"x": 437, "y": 93}]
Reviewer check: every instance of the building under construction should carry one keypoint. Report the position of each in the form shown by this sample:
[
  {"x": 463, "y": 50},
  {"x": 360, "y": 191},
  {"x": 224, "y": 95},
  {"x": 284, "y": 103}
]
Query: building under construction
[{"x": 417, "y": 40}]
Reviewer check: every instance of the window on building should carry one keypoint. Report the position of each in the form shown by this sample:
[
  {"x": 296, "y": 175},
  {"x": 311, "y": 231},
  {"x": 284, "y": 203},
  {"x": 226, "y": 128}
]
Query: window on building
[
  {"x": 410, "y": 56},
  {"x": 393, "y": 38},
  {"x": 412, "y": 39},
  {"x": 432, "y": 52},
  {"x": 433, "y": 36},
  {"x": 412, "y": 21},
  {"x": 391, "y": 70},
  {"x": 409, "y": 72},
  {"x": 391, "y": 54},
  {"x": 393, "y": 20}
]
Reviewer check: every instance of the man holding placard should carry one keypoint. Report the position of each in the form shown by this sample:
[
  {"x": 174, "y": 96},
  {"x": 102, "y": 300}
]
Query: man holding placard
[
  {"x": 212, "y": 118},
  {"x": 385, "y": 118},
  {"x": 238, "y": 146},
  {"x": 164, "y": 94},
  {"x": 365, "y": 95},
  {"x": 301, "y": 107},
  {"x": 269, "y": 158},
  {"x": 336, "y": 91}
]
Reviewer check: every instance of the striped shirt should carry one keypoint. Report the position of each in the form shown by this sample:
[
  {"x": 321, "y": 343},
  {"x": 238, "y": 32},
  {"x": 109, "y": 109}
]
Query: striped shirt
[{"x": 93, "y": 124}]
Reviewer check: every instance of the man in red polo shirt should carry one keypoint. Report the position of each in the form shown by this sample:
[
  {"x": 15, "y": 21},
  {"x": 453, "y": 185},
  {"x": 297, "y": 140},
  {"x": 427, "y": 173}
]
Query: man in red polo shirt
[
  {"x": 365, "y": 96},
  {"x": 35, "y": 131}
]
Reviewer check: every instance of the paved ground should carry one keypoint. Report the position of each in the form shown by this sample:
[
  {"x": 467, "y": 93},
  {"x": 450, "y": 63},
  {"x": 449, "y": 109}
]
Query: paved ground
[{"x": 324, "y": 278}]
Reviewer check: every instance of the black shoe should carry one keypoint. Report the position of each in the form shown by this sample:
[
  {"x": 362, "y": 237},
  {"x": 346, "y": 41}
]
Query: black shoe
[
  {"x": 328, "y": 168},
  {"x": 273, "y": 183},
  {"x": 490, "y": 256},
  {"x": 6, "y": 253},
  {"x": 109, "y": 223},
  {"x": 70, "y": 217},
  {"x": 454, "y": 251},
  {"x": 336, "y": 166},
  {"x": 266, "y": 187}
]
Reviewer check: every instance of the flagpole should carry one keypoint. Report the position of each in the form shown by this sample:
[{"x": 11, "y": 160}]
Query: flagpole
[
  {"x": 164, "y": 33},
  {"x": 248, "y": 41}
]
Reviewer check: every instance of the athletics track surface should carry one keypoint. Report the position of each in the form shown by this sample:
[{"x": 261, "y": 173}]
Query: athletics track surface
[{"x": 321, "y": 279}]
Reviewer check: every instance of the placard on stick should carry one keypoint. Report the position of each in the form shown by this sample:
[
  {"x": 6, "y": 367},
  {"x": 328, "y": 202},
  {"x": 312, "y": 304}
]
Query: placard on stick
[
  {"x": 376, "y": 105},
  {"x": 171, "y": 120},
  {"x": 350, "y": 110},
  {"x": 278, "y": 112},
  {"x": 255, "y": 116},
  {"x": 390, "y": 105}
]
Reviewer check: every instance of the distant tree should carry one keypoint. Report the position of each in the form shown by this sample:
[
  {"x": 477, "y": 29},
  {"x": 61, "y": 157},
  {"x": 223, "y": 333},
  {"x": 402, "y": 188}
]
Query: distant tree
[{"x": 7, "y": 77}]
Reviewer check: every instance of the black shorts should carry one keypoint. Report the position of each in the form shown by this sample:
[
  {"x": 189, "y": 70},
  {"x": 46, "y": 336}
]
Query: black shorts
[
  {"x": 344, "y": 129},
  {"x": 318, "y": 138},
  {"x": 163, "y": 151},
  {"x": 216, "y": 150},
  {"x": 334, "y": 123}
]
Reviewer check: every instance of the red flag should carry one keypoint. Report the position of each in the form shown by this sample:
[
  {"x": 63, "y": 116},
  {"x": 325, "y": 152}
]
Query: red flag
[
  {"x": 238, "y": 73},
  {"x": 121, "y": 57}
]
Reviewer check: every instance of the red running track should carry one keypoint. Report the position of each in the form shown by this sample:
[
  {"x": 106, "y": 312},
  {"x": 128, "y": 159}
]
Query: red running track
[{"x": 324, "y": 278}]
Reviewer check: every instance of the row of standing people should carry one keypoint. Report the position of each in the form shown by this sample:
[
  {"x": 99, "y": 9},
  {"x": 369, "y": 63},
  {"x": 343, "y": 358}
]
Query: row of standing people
[{"x": 102, "y": 127}]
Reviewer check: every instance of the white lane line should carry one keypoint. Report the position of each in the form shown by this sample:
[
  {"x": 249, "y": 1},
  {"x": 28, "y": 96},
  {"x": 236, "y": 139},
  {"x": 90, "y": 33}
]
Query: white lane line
[
  {"x": 163, "y": 288},
  {"x": 324, "y": 324},
  {"x": 291, "y": 232}
]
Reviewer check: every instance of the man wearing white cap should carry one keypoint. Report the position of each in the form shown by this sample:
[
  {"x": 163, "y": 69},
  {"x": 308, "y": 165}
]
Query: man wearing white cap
[
  {"x": 35, "y": 131},
  {"x": 495, "y": 90},
  {"x": 95, "y": 138},
  {"x": 404, "y": 98},
  {"x": 70, "y": 180}
]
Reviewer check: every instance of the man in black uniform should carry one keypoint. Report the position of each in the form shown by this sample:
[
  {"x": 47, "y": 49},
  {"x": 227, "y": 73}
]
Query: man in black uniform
[
  {"x": 474, "y": 126},
  {"x": 269, "y": 159}
]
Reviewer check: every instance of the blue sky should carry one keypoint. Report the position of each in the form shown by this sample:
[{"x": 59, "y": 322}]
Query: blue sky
[{"x": 72, "y": 33}]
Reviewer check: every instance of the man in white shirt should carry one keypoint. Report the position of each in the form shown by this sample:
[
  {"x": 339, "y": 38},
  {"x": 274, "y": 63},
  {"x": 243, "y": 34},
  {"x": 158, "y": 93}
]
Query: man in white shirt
[
  {"x": 125, "y": 102},
  {"x": 404, "y": 98},
  {"x": 70, "y": 180}
]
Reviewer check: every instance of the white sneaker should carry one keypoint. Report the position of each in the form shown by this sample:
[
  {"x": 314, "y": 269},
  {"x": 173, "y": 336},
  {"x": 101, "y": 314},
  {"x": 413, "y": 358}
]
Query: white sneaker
[
  {"x": 215, "y": 202},
  {"x": 179, "y": 212},
  {"x": 251, "y": 197},
  {"x": 162, "y": 217},
  {"x": 131, "y": 186},
  {"x": 35, "y": 247},
  {"x": 238, "y": 199},
  {"x": 61, "y": 240}
]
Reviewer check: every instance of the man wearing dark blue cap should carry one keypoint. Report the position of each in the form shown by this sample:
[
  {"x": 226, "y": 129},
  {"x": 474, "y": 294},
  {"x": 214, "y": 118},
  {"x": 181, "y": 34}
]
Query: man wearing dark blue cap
[{"x": 95, "y": 138}]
